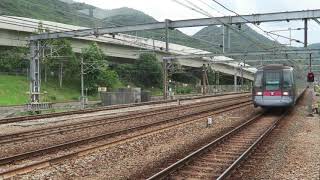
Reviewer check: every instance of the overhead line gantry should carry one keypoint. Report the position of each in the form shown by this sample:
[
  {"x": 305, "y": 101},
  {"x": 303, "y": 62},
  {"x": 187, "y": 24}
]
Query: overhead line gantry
[{"x": 243, "y": 19}]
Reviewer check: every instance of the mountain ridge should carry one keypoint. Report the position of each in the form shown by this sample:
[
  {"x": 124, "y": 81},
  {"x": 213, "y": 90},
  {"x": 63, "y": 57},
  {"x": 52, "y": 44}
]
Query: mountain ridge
[{"x": 69, "y": 12}]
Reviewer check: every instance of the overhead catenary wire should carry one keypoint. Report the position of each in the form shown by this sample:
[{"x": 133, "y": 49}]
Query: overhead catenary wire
[
  {"x": 216, "y": 10},
  {"x": 211, "y": 7},
  {"x": 266, "y": 32},
  {"x": 86, "y": 17},
  {"x": 230, "y": 10},
  {"x": 228, "y": 25}
]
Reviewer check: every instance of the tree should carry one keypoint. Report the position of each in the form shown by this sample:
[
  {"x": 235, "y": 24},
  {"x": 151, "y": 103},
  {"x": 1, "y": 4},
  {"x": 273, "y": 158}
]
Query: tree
[
  {"x": 53, "y": 61},
  {"x": 97, "y": 72},
  {"x": 13, "y": 59},
  {"x": 126, "y": 72},
  {"x": 185, "y": 77},
  {"x": 148, "y": 71}
]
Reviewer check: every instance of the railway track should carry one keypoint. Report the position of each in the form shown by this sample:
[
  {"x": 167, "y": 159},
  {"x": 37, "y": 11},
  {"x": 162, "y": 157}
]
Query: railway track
[
  {"x": 153, "y": 127},
  {"x": 41, "y": 116},
  {"x": 103, "y": 121},
  {"x": 220, "y": 157}
]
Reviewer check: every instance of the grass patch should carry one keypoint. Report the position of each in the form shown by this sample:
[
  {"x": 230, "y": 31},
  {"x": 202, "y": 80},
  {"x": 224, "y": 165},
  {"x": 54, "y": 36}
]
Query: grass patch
[{"x": 14, "y": 91}]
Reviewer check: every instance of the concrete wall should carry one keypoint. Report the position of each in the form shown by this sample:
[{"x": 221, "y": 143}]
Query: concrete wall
[{"x": 121, "y": 96}]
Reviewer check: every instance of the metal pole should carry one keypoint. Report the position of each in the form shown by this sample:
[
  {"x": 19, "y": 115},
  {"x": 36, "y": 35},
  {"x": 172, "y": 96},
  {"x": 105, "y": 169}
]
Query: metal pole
[
  {"x": 310, "y": 62},
  {"x": 290, "y": 36},
  {"x": 61, "y": 74},
  {"x": 305, "y": 33},
  {"x": 167, "y": 34},
  {"x": 218, "y": 81},
  {"x": 244, "y": 66},
  {"x": 223, "y": 40},
  {"x": 93, "y": 22},
  {"x": 82, "y": 84},
  {"x": 35, "y": 71},
  {"x": 203, "y": 79},
  {"x": 165, "y": 62},
  {"x": 226, "y": 39},
  {"x": 235, "y": 80},
  {"x": 165, "y": 79},
  {"x": 153, "y": 45}
]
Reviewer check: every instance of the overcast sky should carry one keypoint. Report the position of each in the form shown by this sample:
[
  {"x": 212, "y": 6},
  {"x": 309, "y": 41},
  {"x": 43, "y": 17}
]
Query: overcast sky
[{"x": 168, "y": 9}]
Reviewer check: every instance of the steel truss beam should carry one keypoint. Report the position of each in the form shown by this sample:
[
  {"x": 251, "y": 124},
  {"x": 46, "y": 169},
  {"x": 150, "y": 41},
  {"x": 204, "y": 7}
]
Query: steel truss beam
[
  {"x": 254, "y": 18},
  {"x": 261, "y": 53},
  {"x": 316, "y": 20},
  {"x": 260, "y": 60}
]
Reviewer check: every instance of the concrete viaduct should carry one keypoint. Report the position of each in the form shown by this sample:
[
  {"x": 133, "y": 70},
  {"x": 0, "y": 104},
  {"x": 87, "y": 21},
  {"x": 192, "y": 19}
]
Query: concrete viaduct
[{"x": 15, "y": 31}]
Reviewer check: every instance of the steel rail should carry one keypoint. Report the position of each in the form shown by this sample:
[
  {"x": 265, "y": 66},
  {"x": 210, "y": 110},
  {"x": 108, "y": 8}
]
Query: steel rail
[
  {"x": 45, "y": 163},
  {"x": 8, "y": 138},
  {"x": 110, "y": 134},
  {"x": 176, "y": 166},
  {"x": 165, "y": 172},
  {"x": 113, "y": 107},
  {"x": 236, "y": 163},
  {"x": 243, "y": 156}
]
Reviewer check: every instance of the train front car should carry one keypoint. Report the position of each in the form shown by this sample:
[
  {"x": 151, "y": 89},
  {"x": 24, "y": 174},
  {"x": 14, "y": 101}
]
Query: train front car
[{"x": 274, "y": 86}]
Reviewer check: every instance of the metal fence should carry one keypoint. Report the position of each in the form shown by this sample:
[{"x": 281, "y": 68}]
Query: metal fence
[{"x": 227, "y": 88}]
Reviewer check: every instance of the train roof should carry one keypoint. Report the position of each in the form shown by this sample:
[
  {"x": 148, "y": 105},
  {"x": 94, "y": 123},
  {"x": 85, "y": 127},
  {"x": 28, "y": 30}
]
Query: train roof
[{"x": 275, "y": 67}]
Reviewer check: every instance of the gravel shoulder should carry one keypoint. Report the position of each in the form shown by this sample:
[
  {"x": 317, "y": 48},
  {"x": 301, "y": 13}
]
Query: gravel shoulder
[{"x": 291, "y": 152}]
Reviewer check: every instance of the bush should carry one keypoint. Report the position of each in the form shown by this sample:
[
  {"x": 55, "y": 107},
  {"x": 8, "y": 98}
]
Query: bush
[
  {"x": 53, "y": 98},
  {"x": 187, "y": 78},
  {"x": 183, "y": 90}
]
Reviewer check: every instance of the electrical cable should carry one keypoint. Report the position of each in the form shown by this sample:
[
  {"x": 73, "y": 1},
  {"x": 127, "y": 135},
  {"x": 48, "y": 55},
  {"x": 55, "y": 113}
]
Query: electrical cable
[
  {"x": 230, "y": 10},
  {"x": 231, "y": 27},
  {"x": 200, "y": 9}
]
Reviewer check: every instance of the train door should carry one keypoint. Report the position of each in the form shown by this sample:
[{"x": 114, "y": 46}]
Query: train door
[
  {"x": 288, "y": 88},
  {"x": 258, "y": 84}
]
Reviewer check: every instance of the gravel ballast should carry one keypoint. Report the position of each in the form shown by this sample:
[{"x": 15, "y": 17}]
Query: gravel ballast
[
  {"x": 291, "y": 152},
  {"x": 140, "y": 157}
]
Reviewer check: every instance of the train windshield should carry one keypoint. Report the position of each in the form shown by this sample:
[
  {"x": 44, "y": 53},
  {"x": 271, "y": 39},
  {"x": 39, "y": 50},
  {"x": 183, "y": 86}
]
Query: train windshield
[
  {"x": 272, "y": 80},
  {"x": 258, "y": 79},
  {"x": 287, "y": 78}
]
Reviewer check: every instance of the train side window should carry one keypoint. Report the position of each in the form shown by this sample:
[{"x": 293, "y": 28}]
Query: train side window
[
  {"x": 258, "y": 79},
  {"x": 287, "y": 78}
]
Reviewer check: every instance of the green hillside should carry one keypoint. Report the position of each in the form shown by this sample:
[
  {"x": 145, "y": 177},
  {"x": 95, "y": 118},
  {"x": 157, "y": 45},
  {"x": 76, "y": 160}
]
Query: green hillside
[
  {"x": 239, "y": 43},
  {"x": 52, "y": 10},
  {"x": 314, "y": 46},
  {"x": 128, "y": 16}
]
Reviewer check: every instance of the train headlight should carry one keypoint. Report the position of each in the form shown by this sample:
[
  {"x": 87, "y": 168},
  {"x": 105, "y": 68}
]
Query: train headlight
[
  {"x": 285, "y": 93},
  {"x": 259, "y": 93}
]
